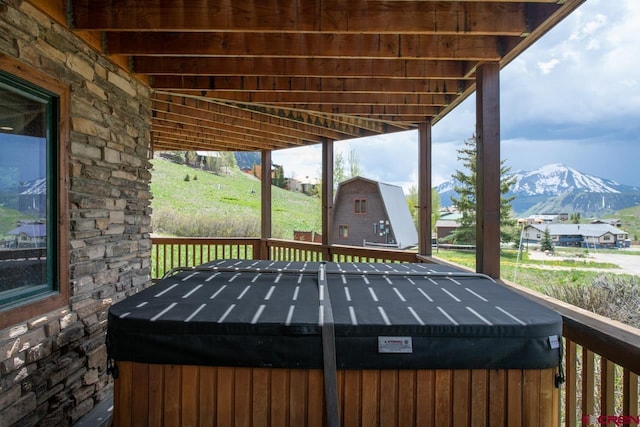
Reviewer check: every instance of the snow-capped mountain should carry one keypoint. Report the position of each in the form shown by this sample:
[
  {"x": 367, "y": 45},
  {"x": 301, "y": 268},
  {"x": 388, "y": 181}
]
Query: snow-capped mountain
[
  {"x": 39, "y": 186},
  {"x": 560, "y": 188},
  {"x": 555, "y": 179}
]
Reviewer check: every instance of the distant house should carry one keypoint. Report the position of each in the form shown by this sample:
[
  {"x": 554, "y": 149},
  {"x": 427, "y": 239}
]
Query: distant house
[
  {"x": 546, "y": 218},
  {"x": 371, "y": 213},
  {"x": 28, "y": 235},
  {"x": 306, "y": 185},
  {"x": 578, "y": 235},
  {"x": 208, "y": 160},
  {"x": 613, "y": 221},
  {"x": 447, "y": 223}
]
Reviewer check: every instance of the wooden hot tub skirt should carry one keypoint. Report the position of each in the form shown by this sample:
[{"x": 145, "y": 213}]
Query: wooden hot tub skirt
[{"x": 183, "y": 395}]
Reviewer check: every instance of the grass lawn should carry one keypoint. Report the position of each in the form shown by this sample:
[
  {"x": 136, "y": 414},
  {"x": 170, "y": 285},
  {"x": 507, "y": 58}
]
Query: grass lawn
[
  {"x": 524, "y": 272},
  {"x": 232, "y": 198}
]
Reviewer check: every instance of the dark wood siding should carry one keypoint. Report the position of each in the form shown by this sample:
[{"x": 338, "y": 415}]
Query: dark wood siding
[{"x": 361, "y": 226}]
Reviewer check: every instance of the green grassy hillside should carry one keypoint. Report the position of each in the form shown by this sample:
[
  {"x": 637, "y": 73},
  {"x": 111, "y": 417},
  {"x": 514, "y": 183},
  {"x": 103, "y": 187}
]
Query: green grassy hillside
[
  {"x": 630, "y": 218},
  {"x": 223, "y": 205}
]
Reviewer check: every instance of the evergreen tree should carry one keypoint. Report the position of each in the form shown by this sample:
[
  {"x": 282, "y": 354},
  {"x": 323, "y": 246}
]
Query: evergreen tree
[
  {"x": 191, "y": 158},
  {"x": 465, "y": 201},
  {"x": 546, "y": 243},
  {"x": 575, "y": 218},
  {"x": 278, "y": 177}
]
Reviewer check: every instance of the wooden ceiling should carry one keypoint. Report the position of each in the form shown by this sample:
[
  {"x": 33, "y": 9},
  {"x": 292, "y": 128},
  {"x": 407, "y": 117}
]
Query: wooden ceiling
[{"x": 270, "y": 74}]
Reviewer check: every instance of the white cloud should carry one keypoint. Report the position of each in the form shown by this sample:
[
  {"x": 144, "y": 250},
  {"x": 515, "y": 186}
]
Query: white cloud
[
  {"x": 546, "y": 67},
  {"x": 590, "y": 27}
]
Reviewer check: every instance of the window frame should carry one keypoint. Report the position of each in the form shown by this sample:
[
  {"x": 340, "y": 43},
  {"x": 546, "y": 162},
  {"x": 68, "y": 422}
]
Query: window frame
[
  {"x": 58, "y": 181},
  {"x": 358, "y": 203},
  {"x": 344, "y": 227}
]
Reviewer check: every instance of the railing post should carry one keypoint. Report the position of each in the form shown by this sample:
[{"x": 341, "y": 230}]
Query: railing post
[
  {"x": 630, "y": 393},
  {"x": 425, "y": 207},
  {"x": 327, "y": 196},
  {"x": 607, "y": 377},
  {"x": 588, "y": 382},
  {"x": 570, "y": 397}
]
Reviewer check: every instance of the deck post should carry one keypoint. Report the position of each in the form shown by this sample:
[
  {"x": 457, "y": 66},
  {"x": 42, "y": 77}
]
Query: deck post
[
  {"x": 265, "y": 226},
  {"x": 488, "y": 169},
  {"x": 327, "y": 197},
  {"x": 424, "y": 189}
]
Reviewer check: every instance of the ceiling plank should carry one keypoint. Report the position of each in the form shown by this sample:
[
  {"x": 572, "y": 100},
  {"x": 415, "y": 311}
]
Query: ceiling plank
[
  {"x": 235, "y": 125},
  {"x": 336, "y": 16},
  {"x": 325, "y": 125},
  {"x": 335, "y": 98},
  {"x": 300, "y": 67},
  {"x": 210, "y": 84},
  {"x": 254, "y": 140},
  {"x": 304, "y": 45},
  {"x": 372, "y": 110}
]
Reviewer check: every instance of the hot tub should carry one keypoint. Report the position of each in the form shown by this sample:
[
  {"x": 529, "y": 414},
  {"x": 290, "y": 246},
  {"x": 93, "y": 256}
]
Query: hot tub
[{"x": 236, "y": 342}]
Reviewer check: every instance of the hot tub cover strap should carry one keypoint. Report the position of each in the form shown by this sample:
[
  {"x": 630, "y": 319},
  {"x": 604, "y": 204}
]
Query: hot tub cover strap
[{"x": 328, "y": 350}]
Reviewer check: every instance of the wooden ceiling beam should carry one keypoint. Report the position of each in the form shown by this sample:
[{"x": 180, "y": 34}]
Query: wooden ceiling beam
[
  {"x": 304, "y": 45},
  {"x": 334, "y": 98},
  {"x": 169, "y": 142},
  {"x": 372, "y": 110},
  {"x": 334, "y": 128},
  {"x": 302, "y": 67},
  {"x": 233, "y": 126},
  {"x": 249, "y": 143},
  {"x": 162, "y": 143},
  {"x": 316, "y": 16},
  {"x": 207, "y": 85}
]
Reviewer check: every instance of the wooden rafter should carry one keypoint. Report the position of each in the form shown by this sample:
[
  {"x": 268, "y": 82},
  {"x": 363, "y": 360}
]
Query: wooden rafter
[{"x": 245, "y": 74}]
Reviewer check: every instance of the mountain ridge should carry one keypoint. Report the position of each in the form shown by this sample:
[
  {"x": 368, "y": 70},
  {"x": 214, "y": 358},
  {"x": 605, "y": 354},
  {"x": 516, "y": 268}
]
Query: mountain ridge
[{"x": 556, "y": 187}]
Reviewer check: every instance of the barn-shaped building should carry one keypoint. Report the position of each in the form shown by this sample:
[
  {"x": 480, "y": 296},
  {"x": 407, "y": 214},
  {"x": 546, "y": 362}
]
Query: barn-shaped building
[{"x": 371, "y": 213}]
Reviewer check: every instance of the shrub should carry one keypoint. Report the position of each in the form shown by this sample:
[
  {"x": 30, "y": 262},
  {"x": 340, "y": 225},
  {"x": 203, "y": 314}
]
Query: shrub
[
  {"x": 186, "y": 178},
  {"x": 616, "y": 297},
  {"x": 201, "y": 225}
]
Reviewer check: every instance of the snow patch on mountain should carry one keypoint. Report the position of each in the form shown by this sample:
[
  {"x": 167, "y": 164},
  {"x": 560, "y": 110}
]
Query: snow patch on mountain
[
  {"x": 557, "y": 187},
  {"x": 554, "y": 179}
]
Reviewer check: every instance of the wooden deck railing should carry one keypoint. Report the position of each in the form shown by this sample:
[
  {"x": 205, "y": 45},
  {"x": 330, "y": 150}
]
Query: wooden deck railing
[
  {"x": 168, "y": 253},
  {"x": 602, "y": 357},
  {"x": 601, "y": 363}
]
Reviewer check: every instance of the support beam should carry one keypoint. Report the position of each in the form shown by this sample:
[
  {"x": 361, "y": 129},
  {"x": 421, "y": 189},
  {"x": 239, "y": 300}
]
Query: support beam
[
  {"x": 424, "y": 189},
  {"x": 488, "y": 169},
  {"x": 265, "y": 177},
  {"x": 327, "y": 194}
]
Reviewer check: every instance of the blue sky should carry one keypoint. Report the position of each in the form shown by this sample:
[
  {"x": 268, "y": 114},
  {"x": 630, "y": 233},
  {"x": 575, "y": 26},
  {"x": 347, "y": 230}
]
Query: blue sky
[{"x": 572, "y": 98}]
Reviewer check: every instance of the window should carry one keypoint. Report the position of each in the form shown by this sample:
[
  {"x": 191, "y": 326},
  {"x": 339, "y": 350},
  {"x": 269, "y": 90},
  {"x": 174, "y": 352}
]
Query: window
[
  {"x": 606, "y": 237},
  {"x": 343, "y": 231},
  {"x": 360, "y": 206},
  {"x": 31, "y": 200}
]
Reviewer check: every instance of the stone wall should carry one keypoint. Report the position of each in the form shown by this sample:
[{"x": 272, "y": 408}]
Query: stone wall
[{"x": 53, "y": 367}]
